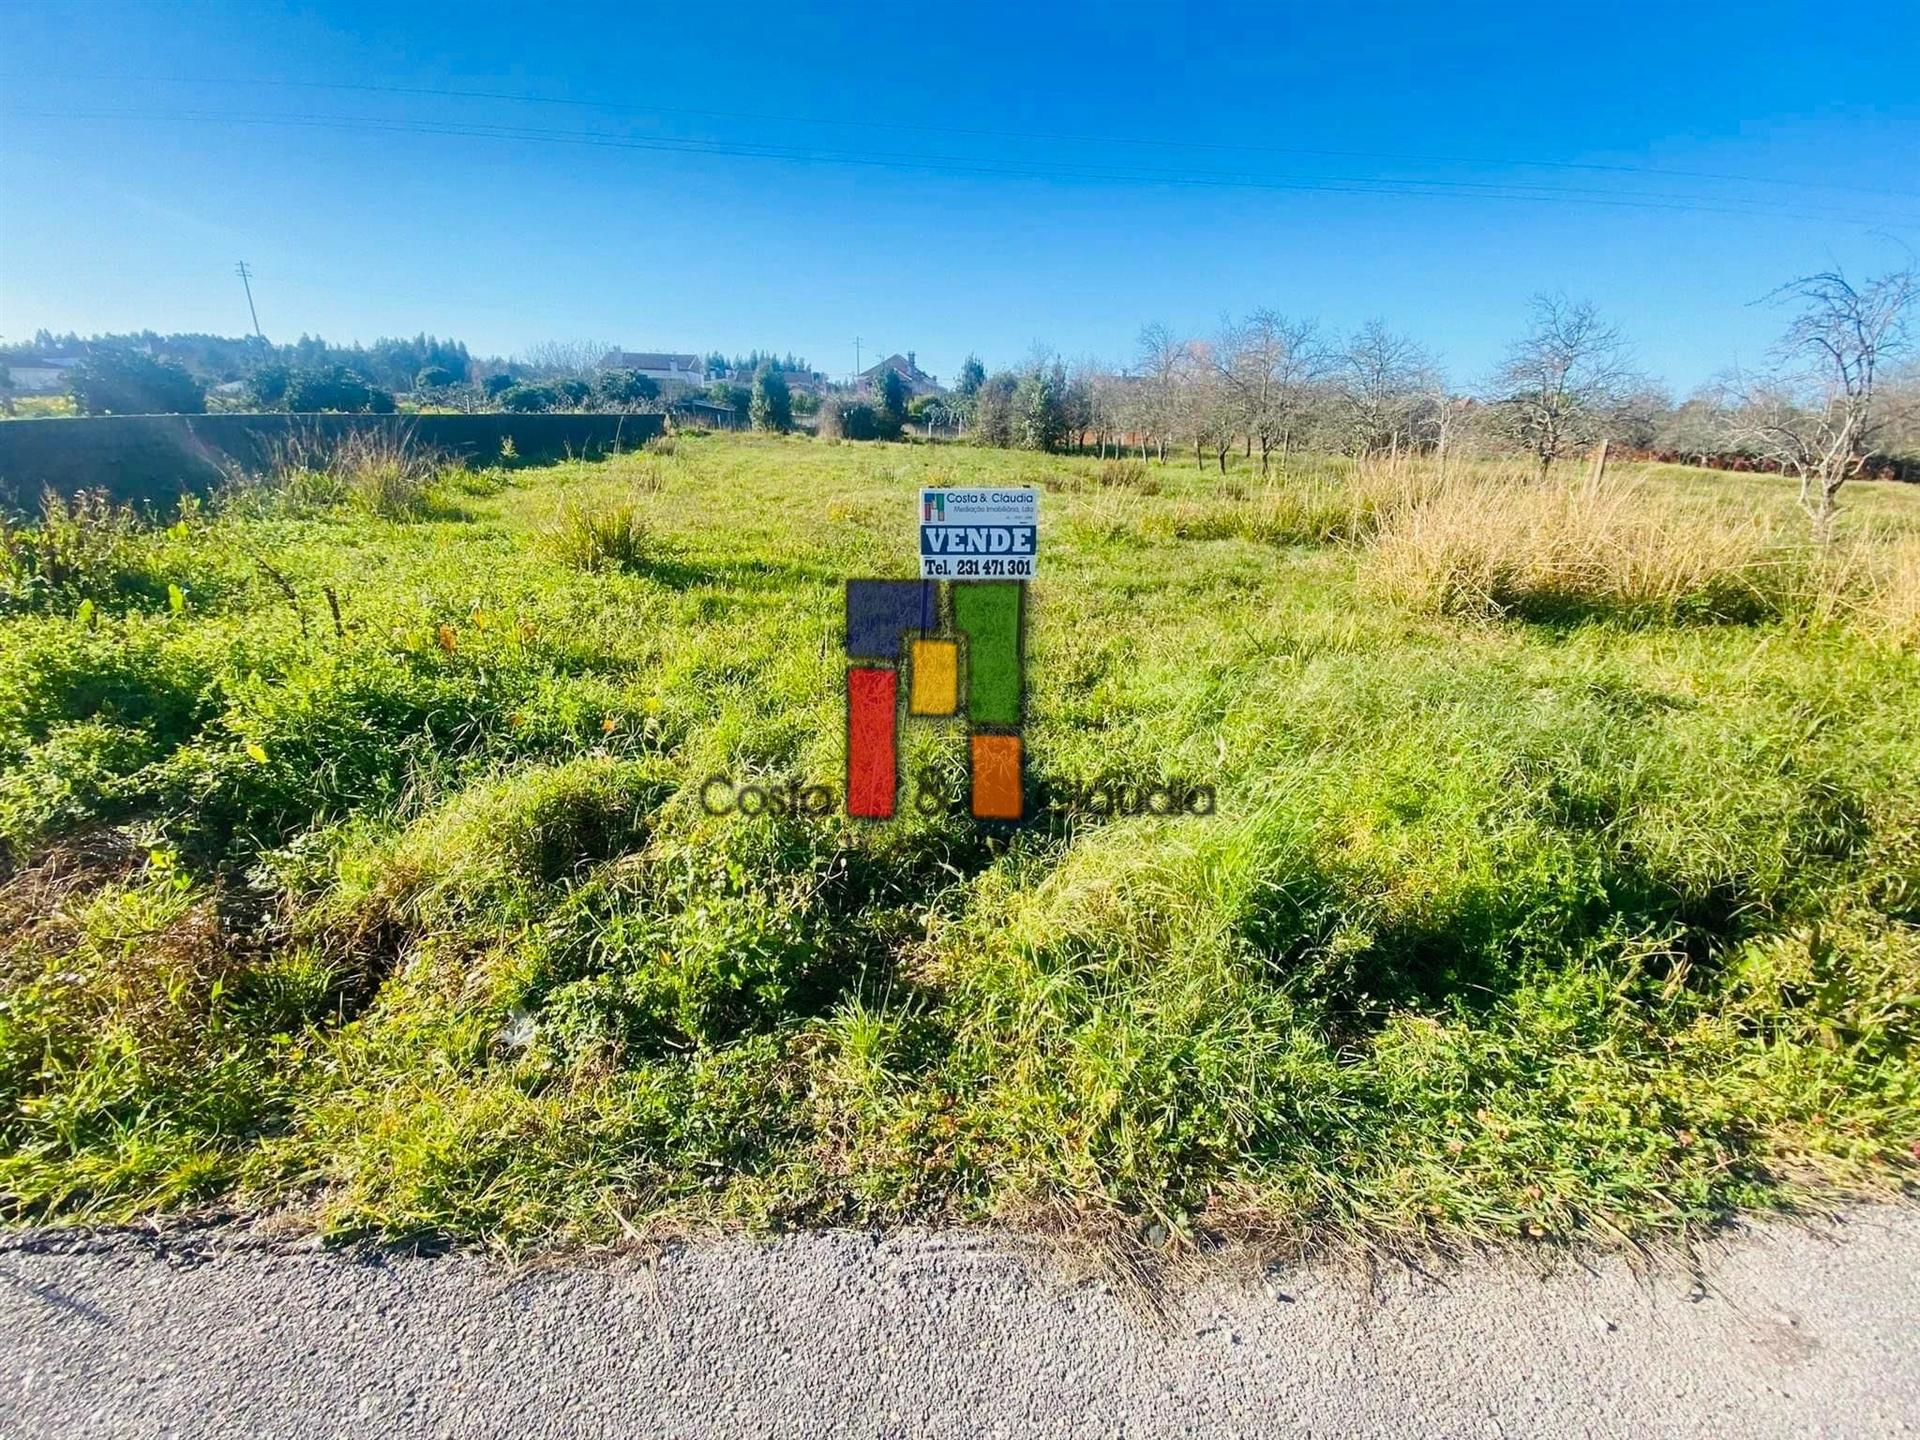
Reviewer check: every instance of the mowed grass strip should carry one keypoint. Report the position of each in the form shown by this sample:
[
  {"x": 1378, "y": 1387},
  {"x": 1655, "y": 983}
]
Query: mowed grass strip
[{"x": 1563, "y": 876}]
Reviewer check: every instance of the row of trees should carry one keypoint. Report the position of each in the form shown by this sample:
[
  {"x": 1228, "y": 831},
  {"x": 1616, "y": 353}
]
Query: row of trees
[
  {"x": 1833, "y": 399},
  {"x": 1270, "y": 383},
  {"x": 391, "y": 363}
]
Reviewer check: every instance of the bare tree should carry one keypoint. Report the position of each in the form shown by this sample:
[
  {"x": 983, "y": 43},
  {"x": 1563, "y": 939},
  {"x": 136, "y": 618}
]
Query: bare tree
[
  {"x": 1696, "y": 428},
  {"x": 1270, "y": 364},
  {"x": 1379, "y": 379},
  {"x": 566, "y": 359},
  {"x": 1822, "y": 414},
  {"x": 1106, "y": 402},
  {"x": 1559, "y": 383},
  {"x": 1209, "y": 409},
  {"x": 1162, "y": 359},
  {"x": 1445, "y": 415}
]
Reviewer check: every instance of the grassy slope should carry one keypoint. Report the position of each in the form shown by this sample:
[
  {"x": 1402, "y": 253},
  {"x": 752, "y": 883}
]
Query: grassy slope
[{"x": 1500, "y": 927}]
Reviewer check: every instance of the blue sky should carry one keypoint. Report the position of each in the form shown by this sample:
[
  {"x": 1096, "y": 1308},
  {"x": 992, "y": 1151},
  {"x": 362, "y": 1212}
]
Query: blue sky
[{"x": 947, "y": 179}]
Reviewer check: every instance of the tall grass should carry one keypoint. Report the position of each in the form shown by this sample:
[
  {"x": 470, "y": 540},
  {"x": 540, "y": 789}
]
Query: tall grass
[
  {"x": 382, "y": 472},
  {"x": 599, "y": 537},
  {"x": 1316, "y": 505},
  {"x": 1501, "y": 545}
]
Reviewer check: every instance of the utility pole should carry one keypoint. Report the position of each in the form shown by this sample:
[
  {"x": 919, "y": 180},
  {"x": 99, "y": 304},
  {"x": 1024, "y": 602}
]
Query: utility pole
[
  {"x": 246, "y": 279},
  {"x": 856, "y": 359}
]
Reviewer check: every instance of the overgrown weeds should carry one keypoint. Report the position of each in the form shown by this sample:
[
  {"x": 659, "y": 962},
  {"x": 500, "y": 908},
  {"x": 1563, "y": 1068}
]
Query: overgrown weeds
[
  {"x": 1551, "y": 551},
  {"x": 422, "y": 917},
  {"x": 82, "y": 548},
  {"x": 382, "y": 472}
]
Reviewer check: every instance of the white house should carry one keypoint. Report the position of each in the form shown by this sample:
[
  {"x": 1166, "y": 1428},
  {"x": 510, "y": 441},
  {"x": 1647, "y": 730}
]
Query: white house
[{"x": 657, "y": 365}]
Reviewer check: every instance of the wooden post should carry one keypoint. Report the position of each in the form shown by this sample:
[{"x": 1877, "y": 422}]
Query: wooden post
[{"x": 1599, "y": 471}]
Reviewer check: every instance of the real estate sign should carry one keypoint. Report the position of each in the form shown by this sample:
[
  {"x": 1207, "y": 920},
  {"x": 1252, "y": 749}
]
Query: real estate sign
[{"x": 979, "y": 534}]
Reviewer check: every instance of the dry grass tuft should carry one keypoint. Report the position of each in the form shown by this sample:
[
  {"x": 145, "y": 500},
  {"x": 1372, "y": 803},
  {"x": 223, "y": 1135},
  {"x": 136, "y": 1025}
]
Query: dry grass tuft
[
  {"x": 1127, "y": 475},
  {"x": 1891, "y": 610},
  {"x": 1497, "y": 546}
]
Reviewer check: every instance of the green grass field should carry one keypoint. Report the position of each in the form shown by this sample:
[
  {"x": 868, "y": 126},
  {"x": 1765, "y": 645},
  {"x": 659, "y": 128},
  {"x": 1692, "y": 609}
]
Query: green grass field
[{"x": 1561, "y": 881}]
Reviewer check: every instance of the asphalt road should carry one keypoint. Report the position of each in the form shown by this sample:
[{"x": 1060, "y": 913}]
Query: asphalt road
[{"x": 1794, "y": 1332}]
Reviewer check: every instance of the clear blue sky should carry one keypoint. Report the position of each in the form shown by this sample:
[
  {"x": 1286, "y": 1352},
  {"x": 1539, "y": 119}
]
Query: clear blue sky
[{"x": 950, "y": 178}]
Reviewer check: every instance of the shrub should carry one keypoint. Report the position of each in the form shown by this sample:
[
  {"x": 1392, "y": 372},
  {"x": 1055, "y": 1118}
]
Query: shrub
[
  {"x": 130, "y": 382},
  {"x": 336, "y": 388},
  {"x": 842, "y": 419},
  {"x": 595, "y": 538},
  {"x": 1124, "y": 474},
  {"x": 625, "y": 390},
  {"x": 529, "y": 399},
  {"x": 267, "y": 387}
]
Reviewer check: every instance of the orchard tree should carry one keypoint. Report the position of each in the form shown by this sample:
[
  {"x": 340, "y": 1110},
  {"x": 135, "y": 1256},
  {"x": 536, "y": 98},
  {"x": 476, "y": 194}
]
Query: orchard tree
[
  {"x": 1273, "y": 364},
  {"x": 566, "y": 359},
  {"x": 1821, "y": 415},
  {"x": 1380, "y": 382},
  {"x": 1161, "y": 363},
  {"x": 1208, "y": 408},
  {"x": 335, "y": 387},
  {"x": 529, "y": 399},
  {"x": 267, "y": 387},
  {"x": 1561, "y": 381}
]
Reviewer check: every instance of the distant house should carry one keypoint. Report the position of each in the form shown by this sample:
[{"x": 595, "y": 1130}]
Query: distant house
[
  {"x": 917, "y": 380},
  {"x": 43, "y": 375},
  {"x": 811, "y": 381},
  {"x": 657, "y": 365}
]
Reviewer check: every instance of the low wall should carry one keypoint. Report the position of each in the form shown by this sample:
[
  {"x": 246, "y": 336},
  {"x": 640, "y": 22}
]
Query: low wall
[{"x": 158, "y": 458}]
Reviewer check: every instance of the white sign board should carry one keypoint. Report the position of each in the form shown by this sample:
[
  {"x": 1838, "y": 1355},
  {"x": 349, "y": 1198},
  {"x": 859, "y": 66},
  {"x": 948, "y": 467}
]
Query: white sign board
[{"x": 979, "y": 534}]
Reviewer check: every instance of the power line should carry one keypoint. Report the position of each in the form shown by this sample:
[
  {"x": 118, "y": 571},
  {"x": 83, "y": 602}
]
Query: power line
[
  {"x": 1029, "y": 136},
  {"x": 962, "y": 165}
]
